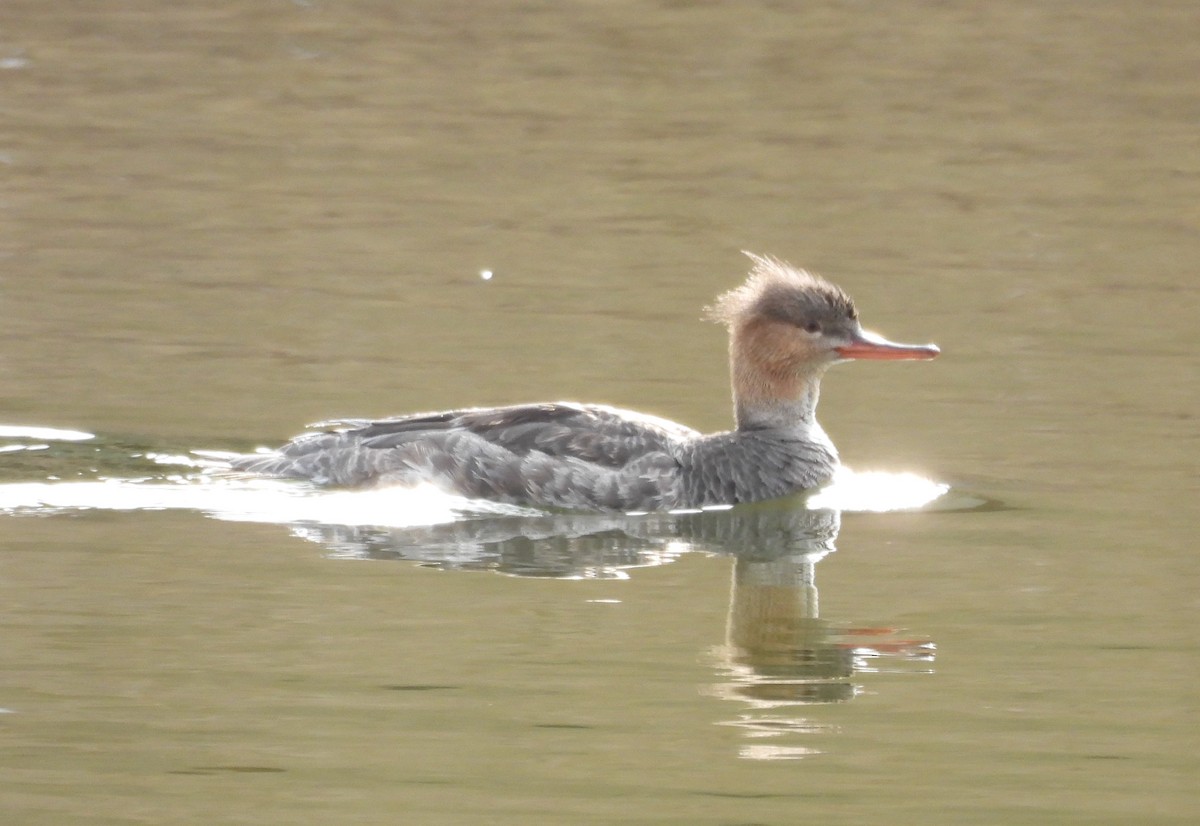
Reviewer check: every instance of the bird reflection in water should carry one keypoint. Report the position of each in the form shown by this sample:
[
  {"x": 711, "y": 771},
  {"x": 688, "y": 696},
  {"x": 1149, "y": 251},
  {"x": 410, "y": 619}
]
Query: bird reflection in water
[{"x": 779, "y": 653}]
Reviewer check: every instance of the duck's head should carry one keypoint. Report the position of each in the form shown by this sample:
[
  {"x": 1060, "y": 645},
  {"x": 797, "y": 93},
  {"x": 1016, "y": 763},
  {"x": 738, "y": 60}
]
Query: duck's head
[
  {"x": 797, "y": 319},
  {"x": 786, "y": 327}
]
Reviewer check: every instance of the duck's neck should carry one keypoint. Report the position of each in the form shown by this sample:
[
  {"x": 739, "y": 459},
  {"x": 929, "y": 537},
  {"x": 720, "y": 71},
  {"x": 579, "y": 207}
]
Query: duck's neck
[
  {"x": 773, "y": 395},
  {"x": 795, "y": 410}
]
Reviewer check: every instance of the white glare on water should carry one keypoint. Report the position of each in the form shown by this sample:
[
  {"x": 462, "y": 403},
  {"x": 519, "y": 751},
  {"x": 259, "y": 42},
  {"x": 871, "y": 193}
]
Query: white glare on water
[{"x": 876, "y": 491}]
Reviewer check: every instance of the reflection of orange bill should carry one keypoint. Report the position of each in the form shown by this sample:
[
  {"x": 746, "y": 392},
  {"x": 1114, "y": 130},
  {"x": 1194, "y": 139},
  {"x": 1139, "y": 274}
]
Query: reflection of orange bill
[{"x": 897, "y": 647}]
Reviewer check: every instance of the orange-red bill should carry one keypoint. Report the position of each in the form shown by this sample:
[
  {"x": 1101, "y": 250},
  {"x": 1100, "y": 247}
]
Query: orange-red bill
[{"x": 872, "y": 346}]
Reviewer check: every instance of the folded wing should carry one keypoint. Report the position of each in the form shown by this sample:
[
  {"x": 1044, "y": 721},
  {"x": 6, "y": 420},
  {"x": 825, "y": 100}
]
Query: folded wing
[{"x": 558, "y": 454}]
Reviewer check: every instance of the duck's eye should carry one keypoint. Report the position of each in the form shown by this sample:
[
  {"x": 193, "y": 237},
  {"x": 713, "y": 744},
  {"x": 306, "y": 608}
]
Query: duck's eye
[{"x": 812, "y": 327}]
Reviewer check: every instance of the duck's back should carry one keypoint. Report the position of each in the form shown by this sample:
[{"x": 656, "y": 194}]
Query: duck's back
[{"x": 551, "y": 455}]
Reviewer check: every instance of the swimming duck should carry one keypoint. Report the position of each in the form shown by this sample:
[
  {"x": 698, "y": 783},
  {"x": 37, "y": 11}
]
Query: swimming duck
[{"x": 786, "y": 327}]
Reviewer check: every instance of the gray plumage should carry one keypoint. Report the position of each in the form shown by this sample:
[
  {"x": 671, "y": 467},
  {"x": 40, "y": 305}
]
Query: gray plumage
[{"x": 554, "y": 455}]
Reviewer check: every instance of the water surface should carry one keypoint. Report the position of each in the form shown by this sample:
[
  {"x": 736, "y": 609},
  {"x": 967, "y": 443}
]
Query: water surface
[{"x": 221, "y": 222}]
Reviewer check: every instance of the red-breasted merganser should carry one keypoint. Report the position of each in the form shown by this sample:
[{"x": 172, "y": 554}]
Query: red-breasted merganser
[{"x": 786, "y": 327}]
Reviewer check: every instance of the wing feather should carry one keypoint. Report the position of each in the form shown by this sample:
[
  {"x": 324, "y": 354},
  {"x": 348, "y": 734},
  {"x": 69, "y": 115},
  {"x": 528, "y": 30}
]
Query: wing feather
[{"x": 561, "y": 454}]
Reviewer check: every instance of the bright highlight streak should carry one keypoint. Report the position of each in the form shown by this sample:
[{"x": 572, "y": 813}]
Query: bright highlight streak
[
  {"x": 253, "y": 501},
  {"x": 48, "y": 434},
  {"x": 877, "y": 491}
]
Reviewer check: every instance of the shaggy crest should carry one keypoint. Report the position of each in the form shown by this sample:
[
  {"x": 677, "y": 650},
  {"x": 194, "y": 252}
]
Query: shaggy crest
[{"x": 776, "y": 289}]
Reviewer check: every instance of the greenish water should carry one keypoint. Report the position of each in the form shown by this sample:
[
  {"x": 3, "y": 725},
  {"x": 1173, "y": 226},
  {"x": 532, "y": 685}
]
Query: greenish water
[{"x": 222, "y": 222}]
